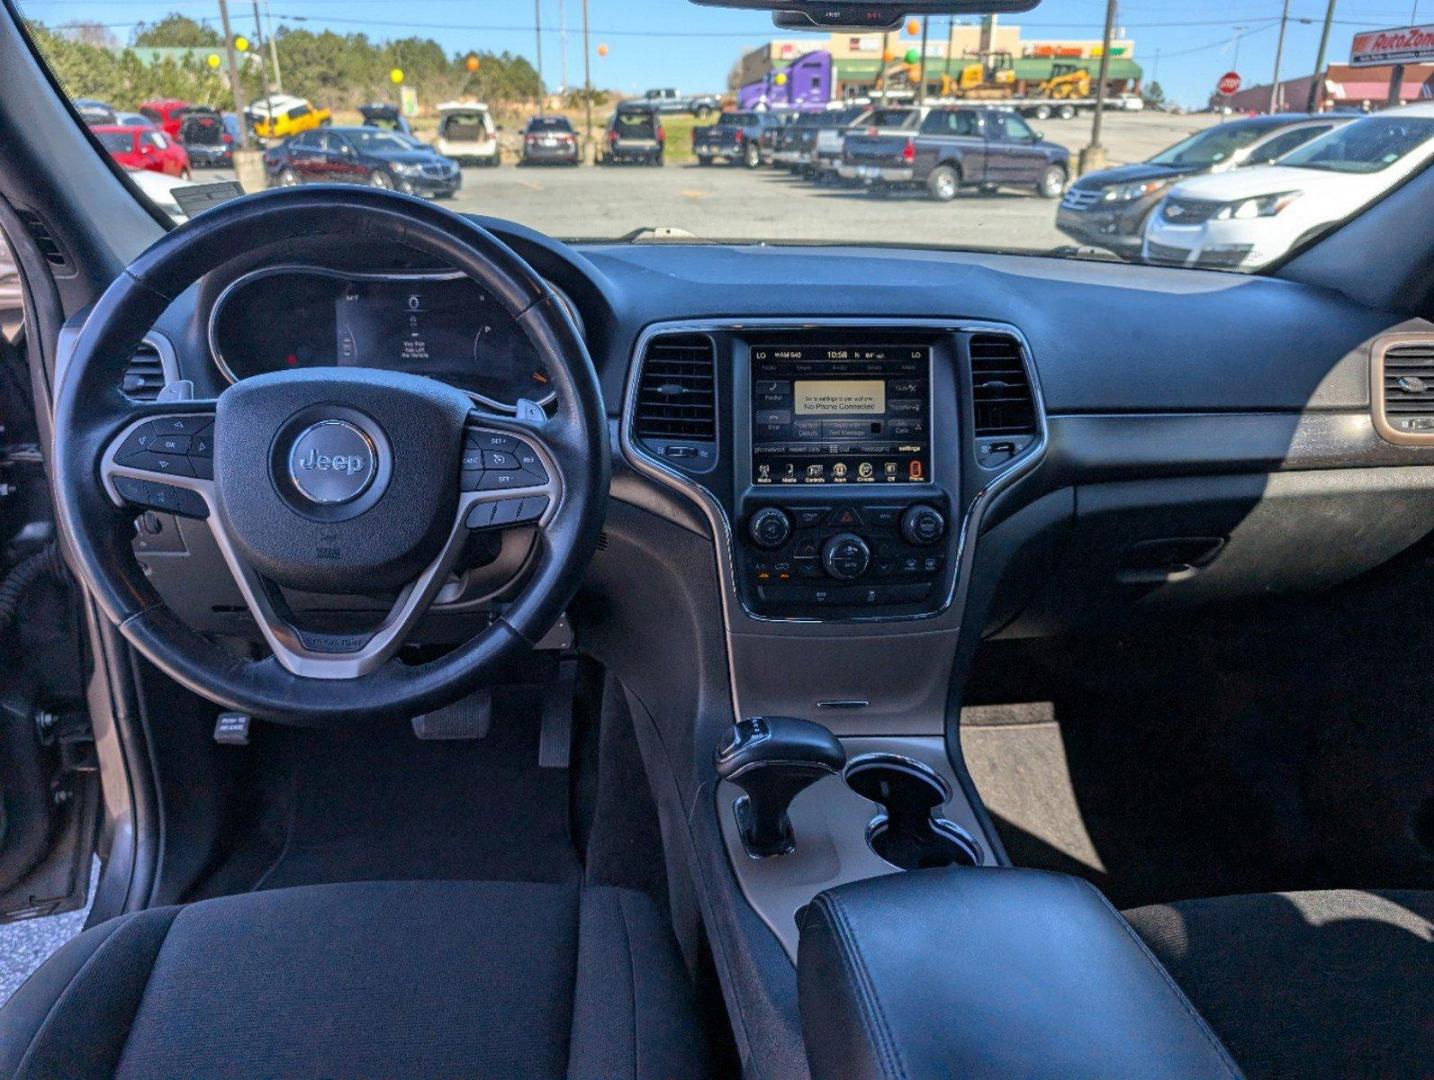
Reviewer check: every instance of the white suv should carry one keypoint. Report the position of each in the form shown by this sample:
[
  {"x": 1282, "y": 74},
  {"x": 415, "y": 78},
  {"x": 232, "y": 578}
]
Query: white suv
[{"x": 1249, "y": 217}]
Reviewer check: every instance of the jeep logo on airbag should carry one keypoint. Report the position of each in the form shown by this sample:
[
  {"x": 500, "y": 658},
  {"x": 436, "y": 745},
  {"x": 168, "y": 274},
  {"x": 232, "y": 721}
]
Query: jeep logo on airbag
[{"x": 332, "y": 462}]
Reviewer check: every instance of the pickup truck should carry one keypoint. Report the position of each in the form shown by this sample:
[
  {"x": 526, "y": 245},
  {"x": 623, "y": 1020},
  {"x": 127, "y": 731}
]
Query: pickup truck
[
  {"x": 794, "y": 147},
  {"x": 951, "y": 148},
  {"x": 736, "y": 136},
  {"x": 667, "y": 100}
]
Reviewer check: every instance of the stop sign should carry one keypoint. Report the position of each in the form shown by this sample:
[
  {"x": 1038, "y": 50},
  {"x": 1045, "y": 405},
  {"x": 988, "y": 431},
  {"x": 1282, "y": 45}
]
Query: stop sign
[{"x": 1229, "y": 83}]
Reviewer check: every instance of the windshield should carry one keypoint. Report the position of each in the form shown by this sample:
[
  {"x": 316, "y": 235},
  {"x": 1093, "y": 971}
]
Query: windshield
[
  {"x": 1366, "y": 146},
  {"x": 377, "y": 141},
  {"x": 116, "y": 142},
  {"x": 753, "y": 133},
  {"x": 1213, "y": 146}
]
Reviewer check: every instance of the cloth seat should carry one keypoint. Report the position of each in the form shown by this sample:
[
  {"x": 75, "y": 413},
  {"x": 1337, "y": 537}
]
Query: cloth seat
[
  {"x": 383, "y": 980},
  {"x": 1335, "y": 984}
]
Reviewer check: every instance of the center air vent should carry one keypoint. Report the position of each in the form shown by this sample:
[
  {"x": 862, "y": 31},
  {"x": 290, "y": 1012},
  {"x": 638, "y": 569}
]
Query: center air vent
[
  {"x": 1001, "y": 388},
  {"x": 677, "y": 391},
  {"x": 144, "y": 377},
  {"x": 1404, "y": 382}
]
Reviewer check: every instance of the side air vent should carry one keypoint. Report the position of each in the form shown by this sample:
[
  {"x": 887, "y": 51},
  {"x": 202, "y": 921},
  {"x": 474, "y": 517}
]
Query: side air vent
[
  {"x": 1403, "y": 388},
  {"x": 46, "y": 242},
  {"x": 144, "y": 378},
  {"x": 676, "y": 410},
  {"x": 1001, "y": 388}
]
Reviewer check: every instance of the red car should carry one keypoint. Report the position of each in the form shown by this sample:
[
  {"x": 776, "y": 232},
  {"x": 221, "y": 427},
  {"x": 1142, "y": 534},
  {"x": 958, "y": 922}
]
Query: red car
[
  {"x": 144, "y": 148},
  {"x": 166, "y": 114}
]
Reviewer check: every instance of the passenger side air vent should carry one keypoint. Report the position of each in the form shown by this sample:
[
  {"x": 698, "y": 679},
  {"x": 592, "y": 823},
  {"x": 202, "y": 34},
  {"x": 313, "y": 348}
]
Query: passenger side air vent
[
  {"x": 676, "y": 410},
  {"x": 1404, "y": 387},
  {"x": 1002, "y": 400},
  {"x": 144, "y": 377}
]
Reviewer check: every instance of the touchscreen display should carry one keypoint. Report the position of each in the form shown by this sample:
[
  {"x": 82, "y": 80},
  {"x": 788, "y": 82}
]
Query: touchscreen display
[{"x": 841, "y": 414}]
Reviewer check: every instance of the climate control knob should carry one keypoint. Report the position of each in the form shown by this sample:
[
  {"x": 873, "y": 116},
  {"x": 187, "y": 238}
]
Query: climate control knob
[
  {"x": 769, "y": 528},
  {"x": 846, "y": 556},
  {"x": 922, "y": 525}
]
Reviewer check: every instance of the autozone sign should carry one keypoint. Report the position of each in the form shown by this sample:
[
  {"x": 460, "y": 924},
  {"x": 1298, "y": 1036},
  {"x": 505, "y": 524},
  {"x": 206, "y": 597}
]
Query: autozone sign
[{"x": 1408, "y": 45}]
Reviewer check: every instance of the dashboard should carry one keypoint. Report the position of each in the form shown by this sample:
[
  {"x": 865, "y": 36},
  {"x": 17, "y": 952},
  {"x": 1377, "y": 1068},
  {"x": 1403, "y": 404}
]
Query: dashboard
[
  {"x": 440, "y": 325},
  {"x": 1177, "y": 411}
]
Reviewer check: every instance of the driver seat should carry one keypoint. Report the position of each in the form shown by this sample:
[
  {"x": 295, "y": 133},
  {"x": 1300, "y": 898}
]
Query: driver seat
[{"x": 442, "y": 979}]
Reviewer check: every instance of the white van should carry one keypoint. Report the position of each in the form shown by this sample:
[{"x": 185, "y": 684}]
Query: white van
[{"x": 467, "y": 134}]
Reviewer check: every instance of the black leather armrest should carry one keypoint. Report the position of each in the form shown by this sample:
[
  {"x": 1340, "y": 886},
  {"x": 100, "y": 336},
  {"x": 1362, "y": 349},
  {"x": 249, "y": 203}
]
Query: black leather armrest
[{"x": 990, "y": 973}]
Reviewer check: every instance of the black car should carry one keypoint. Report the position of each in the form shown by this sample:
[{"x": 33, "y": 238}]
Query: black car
[
  {"x": 1108, "y": 209},
  {"x": 208, "y": 136},
  {"x": 362, "y": 155},
  {"x": 635, "y": 133},
  {"x": 550, "y": 140}
]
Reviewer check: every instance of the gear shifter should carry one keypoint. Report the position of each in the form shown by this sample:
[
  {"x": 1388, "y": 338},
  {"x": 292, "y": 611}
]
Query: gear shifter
[{"x": 773, "y": 759}]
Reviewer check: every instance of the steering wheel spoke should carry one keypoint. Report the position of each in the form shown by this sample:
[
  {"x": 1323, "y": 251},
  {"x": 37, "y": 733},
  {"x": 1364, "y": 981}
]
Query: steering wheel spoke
[
  {"x": 509, "y": 476},
  {"x": 163, "y": 461}
]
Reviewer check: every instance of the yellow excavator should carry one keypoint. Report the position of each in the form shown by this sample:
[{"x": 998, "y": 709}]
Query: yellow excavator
[{"x": 993, "y": 77}]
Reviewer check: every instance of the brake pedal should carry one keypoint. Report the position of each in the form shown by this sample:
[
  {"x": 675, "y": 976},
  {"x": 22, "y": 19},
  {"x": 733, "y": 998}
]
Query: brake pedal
[{"x": 466, "y": 719}]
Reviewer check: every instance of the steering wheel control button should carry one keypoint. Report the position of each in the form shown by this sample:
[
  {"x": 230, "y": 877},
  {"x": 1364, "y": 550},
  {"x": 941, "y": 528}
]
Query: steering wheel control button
[
  {"x": 530, "y": 463},
  {"x": 507, "y": 512},
  {"x": 502, "y": 479},
  {"x": 171, "y": 444},
  {"x": 139, "y": 441},
  {"x": 155, "y": 496},
  {"x": 472, "y": 459},
  {"x": 183, "y": 425},
  {"x": 499, "y": 459},
  {"x": 201, "y": 445},
  {"x": 769, "y": 528},
  {"x": 165, "y": 464},
  {"x": 332, "y": 462},
  {"x": 922, "y": 526},
  {"x": 492, "y": 440}
]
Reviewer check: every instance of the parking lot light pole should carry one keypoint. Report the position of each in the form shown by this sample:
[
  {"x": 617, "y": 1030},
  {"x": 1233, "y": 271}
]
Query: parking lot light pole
[
  {"x": 1092, "y": 158},
  {"x": 591, "y": 152},
  {"x": 925, "y": 29},
  {"x": 1279, "y": 56}
]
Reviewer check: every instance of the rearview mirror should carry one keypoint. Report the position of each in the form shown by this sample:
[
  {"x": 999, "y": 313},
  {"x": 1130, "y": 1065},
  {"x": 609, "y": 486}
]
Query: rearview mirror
[{"x": 870, "y": 15}]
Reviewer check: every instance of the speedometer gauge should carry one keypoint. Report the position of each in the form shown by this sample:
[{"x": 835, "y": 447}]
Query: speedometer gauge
[{"x": 441, "y": 325}]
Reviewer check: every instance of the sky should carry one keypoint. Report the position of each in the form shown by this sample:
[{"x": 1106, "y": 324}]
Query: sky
[{"x": 1184, "y": 44}]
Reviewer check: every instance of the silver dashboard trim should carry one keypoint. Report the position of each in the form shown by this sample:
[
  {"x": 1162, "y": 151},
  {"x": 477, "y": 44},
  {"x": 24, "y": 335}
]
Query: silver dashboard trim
[
  {"x": 259, "y": 273},
  {"x": 721, "y": 528}
]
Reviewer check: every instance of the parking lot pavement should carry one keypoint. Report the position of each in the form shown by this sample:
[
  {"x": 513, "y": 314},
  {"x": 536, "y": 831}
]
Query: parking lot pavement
[
  {"x": 724, "y": 202},
  {"x": 24, "y": 946}
]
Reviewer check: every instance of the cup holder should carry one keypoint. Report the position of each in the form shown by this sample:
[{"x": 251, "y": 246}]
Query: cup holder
[{"x": 907, "y": 835}]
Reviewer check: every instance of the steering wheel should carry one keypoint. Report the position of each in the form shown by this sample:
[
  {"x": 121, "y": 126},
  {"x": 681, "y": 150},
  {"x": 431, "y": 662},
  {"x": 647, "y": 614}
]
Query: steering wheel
[{"x": 328, "y": 480}]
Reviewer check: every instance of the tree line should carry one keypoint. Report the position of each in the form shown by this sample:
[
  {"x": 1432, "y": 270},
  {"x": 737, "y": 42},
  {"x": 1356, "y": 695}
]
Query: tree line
[{"x": 337, "y": 71}]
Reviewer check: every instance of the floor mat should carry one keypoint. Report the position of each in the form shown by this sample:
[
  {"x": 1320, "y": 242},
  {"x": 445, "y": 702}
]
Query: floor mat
[
  {"x": 383, "y": 805},
  {"x": 1132, "y": 806}
]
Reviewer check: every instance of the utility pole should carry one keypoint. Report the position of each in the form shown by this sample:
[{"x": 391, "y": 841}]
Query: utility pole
[
  {"x": 273, "y": 48},
  {"x": 236, "y": 88},
  {"x": 1092, "y": 157},
  {"x": 925, "y": 29},
  {"x": 1317, "y": 82},
  {"x": 588, "y": 81},
  {"x": 259, "y": 44},
  {"x": 1275, "y": 94},
  {"x": 538, "y": 23}
]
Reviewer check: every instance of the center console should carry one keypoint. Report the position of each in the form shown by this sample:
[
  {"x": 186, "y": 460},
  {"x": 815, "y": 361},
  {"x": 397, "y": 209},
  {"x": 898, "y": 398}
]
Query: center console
[{"x": 843, "y": 519}]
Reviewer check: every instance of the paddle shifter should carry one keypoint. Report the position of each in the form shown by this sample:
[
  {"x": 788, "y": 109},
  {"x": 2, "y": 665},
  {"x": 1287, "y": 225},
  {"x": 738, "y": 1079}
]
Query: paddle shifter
[{"x": 773, "y": 759}]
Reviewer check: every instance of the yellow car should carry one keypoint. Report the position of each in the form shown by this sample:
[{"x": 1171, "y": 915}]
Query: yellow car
[{"x": 279, "y": 116}]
